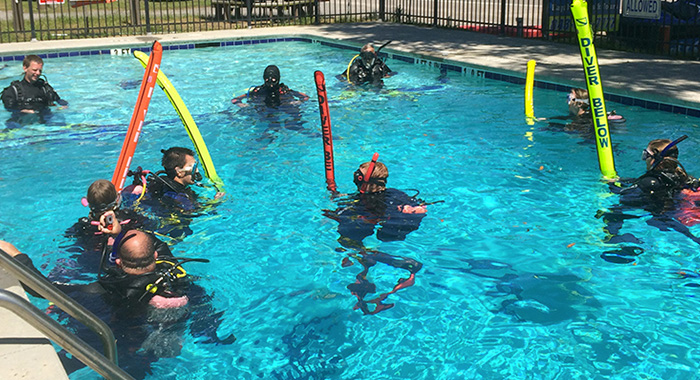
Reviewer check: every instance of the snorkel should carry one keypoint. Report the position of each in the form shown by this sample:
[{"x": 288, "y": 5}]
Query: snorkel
[
  {"x": 196, "y": 175},
  {"x": 382, "y": 47},
  {"x": 368, "y": 174}
]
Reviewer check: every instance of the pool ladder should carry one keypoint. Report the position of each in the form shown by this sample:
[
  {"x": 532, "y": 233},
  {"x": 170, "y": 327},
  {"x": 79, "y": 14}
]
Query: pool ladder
[{"x": 105, "y": 365}]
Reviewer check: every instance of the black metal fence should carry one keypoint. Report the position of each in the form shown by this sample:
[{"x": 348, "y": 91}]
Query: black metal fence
[{"x": 650, "y": 26}]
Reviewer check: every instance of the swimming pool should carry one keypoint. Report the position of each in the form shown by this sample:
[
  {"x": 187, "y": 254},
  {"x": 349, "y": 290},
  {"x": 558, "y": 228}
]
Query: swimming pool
[{"x": 512, "y": 286}]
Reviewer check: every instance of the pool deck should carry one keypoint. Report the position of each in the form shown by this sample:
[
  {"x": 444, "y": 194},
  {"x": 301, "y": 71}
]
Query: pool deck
[
  {"x": 627, "y": 74},
  {"x": 25, "y": 353}
]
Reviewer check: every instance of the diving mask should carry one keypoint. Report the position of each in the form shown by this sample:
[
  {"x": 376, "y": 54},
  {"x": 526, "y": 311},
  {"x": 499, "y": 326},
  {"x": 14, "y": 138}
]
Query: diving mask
[
  {"x": 193, "y": 171},
  {"x": 97, "y": 210},
  {"x": 572, "y": 98},
  {"x": 368, "y": 58},
  {"x": 358, "y": 177},
  {"x": 646, "y": 155}
]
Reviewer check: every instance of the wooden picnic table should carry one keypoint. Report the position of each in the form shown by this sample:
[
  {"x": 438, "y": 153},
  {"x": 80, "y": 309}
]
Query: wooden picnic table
[{"x": 298, "y": 8}]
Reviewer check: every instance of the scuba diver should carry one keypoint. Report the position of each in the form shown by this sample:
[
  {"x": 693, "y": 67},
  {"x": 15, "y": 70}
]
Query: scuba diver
[
  {"x": 169, "y": 192},
  {"x": 102, "y": 197},
  {"x": 272, "y": 93},
  {"x": 394, "y": 211},
  {"x": 659, "y": 191},
  {"x": 173, "y": 184},
  {"x": 581, "y": 121},
  {"x": 140, "y": 275},
  {"x": 31, "y": 94},
  {"x": 147, "y": 299},
  {"x": 544, "y": 298},
  {"x": 367, "y": 67},
  {"x": 277, "y": 106},
  {"x": 665, "y": 174}
]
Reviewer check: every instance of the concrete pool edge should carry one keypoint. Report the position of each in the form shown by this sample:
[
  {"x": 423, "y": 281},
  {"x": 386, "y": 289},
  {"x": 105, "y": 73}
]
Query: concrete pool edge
[{"x": 499, "y": 58}]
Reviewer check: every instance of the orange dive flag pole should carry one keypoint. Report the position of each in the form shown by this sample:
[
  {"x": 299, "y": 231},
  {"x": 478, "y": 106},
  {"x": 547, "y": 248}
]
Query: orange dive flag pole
[
  {"x": 326, "y": 128},
  {"x": 137, "y": 118}
]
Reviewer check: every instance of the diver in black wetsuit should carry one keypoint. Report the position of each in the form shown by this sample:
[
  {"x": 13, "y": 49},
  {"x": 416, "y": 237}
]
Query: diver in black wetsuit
[
  {"x": 172, "y": 186},
  {"x": 395, "y": 212},
  {"x": 658, "y": 191},
  {"x": 581, "y": 121},
  {"x": 367, "y": 68},
  {"x": 147, "y": 300},
  {"x": 101, "y": 197},
  {"x": 277, "y": 106},
  {"x": 31, "y": 94},
  {"x": 272, "y": 93},
  {"x": 169, "y": 192},
  {"x": 137, "y": 265}
]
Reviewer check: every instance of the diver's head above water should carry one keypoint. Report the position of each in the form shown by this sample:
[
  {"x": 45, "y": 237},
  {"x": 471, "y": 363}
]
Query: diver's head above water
[
  {"x": 656, "y": 153},
  {"x": 377, "y": 180},
  {"x": 101, "y": 197},
  {"x": 181, "y": 166},
  {"x": 368, "y": 55},
  {"x": 136, "y": 253},
  {"x": 664, "y": 171},
  {"x": 577, "y": 100},
  {"x": 271, "y": 76}
]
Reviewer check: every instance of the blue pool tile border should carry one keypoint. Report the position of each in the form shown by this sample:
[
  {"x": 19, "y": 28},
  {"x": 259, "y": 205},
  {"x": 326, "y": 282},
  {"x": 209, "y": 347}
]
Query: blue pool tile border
[{"x": 446, "y": 66}]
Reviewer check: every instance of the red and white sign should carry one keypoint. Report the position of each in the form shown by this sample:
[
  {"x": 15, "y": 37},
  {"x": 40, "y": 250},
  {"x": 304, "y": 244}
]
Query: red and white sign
[{"x": 51, "y": 2}]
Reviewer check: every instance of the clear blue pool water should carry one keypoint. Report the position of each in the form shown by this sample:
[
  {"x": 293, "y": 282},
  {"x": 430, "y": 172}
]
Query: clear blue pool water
[{"x": 513, "y": 285}]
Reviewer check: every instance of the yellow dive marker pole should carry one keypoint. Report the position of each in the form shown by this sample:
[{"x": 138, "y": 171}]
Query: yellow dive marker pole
[
  {"x": 187, "y": 121},
  {"x": 529, "y": 85},
  {"x": 595, "y": 88}
]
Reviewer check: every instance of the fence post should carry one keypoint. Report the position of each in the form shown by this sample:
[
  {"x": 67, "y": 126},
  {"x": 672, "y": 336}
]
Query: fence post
[
  {"x": 665, "y": 32},
  {"x": 249, "y": 6},
  {"x": 503, "y": 17},
  {"x": 435, "y": 13},
  {"x": 545, "y": 19},
  {"x": 519, "y": 27},
  {"x": 31, "y": 19},
  {"x": 17, "y": 15},
  {"x": 382, "y": 10},
  {"x": 148, "y": 17},
  {"x": 135, "y": 12},
  {"x": 317, "y": 18}
]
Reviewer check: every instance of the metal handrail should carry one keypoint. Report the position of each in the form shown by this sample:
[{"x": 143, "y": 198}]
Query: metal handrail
[
  {"x": 57, "y": 333},
  {"x": 44, "y": 288}
]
